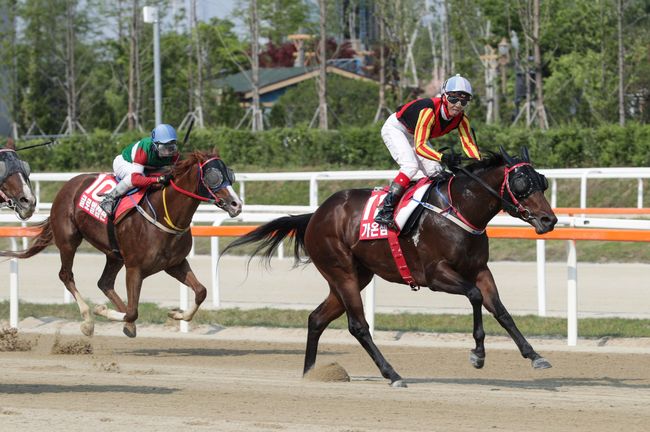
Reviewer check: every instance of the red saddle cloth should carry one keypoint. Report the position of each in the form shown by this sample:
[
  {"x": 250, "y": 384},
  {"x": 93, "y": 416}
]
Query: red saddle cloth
[
  {"x": 91, "y": 197},
  {"x": 371, "y": 230}
]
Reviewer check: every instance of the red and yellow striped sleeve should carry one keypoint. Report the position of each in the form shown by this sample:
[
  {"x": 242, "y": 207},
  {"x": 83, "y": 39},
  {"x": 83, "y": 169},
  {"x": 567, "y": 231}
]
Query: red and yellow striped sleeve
[
  {"x": 466, "y": 139},
  {"x": 426, "y": 119}
]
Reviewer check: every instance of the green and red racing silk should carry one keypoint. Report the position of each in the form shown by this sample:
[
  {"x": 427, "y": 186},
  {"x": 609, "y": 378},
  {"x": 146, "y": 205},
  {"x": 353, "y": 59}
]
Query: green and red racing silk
[{"x": 143, "y": 153}]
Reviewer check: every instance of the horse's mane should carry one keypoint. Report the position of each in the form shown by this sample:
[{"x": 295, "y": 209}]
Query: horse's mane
[
  {"x": 489, "y": 160},
  {"x": 189, "y": 160}
]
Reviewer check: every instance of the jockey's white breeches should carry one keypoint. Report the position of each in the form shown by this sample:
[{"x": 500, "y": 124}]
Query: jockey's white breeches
[
  {"x": 401, "y": 146},
  {"x": 123, "y": 171}
]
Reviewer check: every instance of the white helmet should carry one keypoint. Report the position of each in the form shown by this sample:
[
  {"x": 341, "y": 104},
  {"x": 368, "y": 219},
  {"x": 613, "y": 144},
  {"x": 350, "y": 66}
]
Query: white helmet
[{"x": 456, "y": 84}]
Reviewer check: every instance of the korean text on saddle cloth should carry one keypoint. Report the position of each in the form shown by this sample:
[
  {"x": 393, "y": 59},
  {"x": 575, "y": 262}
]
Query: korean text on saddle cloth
[{"x": 90, "y": 198}]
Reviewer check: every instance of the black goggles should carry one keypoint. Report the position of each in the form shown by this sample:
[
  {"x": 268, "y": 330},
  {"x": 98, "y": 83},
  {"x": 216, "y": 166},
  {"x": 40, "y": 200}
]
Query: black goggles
[{"x": 464, "y": 100}]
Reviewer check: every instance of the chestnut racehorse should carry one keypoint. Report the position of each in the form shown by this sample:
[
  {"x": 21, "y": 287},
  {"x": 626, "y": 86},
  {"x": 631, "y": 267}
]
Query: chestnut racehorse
[
  {"x": 441, "y": 254},
  {"x": 15, "y": 188},
  {"x": 156, "y": 237}
]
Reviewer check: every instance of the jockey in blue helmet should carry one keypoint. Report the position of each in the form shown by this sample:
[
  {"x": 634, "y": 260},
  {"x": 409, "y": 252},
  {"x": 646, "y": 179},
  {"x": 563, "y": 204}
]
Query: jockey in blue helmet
[{"x": 150, "y": 153}]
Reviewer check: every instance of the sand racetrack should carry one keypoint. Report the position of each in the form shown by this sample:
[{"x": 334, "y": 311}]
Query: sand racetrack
[{"x": 155, "y": 384}]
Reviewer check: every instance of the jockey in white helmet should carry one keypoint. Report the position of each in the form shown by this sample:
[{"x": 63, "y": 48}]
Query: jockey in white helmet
[{"x": 407, "y": 132}]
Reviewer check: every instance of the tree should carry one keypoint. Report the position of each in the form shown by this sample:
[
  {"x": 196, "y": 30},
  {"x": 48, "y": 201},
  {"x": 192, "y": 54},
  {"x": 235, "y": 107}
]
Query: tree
[{"x": 322, "y": 75}]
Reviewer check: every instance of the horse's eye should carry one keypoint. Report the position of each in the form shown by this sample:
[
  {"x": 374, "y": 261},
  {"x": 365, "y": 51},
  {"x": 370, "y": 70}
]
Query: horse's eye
[{"x": 213, "y": 177}]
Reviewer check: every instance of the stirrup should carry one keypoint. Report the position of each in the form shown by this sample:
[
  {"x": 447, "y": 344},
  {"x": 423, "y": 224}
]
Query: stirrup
[
  {"x": 384, "y": 219},
  {"x": 107, "y": 205}
]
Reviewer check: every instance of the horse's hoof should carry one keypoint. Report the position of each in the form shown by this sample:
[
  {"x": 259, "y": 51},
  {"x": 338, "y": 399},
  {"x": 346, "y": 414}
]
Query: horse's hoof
[
  {"x": 88, "y": 328},
  {"x": 541, "y": 363},
  {"x": 176, "y": 314},
  {"x": 398, "y": 384},
  {"x": 477, "y": 362},
  {"x": 100, "y": 310},
  {"x": 129, "y": 330}
]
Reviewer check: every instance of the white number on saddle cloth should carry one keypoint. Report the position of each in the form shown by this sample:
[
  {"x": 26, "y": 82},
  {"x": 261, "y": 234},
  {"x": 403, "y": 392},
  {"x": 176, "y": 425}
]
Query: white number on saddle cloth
[
  {"x": 369, "y": 229},
  {"x": 90, "y": 198}
]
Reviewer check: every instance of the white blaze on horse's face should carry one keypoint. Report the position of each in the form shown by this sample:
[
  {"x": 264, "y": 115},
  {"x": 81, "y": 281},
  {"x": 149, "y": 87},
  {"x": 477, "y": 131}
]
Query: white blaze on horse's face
[
  {"x": 24, "y": 202},
  {"x": 232, "y": 203}
]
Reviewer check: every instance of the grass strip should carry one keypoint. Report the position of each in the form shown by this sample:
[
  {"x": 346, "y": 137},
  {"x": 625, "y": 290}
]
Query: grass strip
[{"x": 530, "y": 325}]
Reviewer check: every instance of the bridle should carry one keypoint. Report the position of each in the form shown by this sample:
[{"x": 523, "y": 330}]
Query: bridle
[
  {"x": 11, "y": 164},
  {"x": 219, "y": 181},
  {"x": 511, "y": 204}
]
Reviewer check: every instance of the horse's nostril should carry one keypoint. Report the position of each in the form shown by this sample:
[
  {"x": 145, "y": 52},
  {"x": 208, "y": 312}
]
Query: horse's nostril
[
  {"x": 234, "y": 204},
  {"x": 548, "y": 220},
  {"x": 24, "y": 200}
]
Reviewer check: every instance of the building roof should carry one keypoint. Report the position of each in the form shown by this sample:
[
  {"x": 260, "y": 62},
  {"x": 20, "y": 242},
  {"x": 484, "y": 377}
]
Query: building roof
[{"x": 271, "y": 79}]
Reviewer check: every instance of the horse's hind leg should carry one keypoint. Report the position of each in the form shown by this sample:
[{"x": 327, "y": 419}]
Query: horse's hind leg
[
  {"x": 492, "y": 302},
  {"x": 346, "y": 279},
  {"x": 319, "y": 319},
  {"x": 67, "y": 250},
  {"x": 184, "y": 274},
  {"x": 106, "y": 283}
]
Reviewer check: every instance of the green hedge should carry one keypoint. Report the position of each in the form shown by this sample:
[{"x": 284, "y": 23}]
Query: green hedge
[{"x": 362, "y": 148}]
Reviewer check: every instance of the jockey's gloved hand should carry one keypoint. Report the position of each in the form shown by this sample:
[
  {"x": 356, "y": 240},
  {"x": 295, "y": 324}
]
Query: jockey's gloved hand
[
  {"x": 451, "y": 159},
  {"x": 164, "y": 179}
]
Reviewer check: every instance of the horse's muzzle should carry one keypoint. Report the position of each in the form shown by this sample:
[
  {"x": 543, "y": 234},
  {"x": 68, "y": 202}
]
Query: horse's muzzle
[{"x": 543, "y": 223}]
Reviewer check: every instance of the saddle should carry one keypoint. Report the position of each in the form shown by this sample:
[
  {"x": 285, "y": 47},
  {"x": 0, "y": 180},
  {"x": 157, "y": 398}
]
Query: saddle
[{"x": 92, "y": 196}]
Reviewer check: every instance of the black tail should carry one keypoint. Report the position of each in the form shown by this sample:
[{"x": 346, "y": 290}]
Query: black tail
[
  {"x": 40, "y": 242},
  {"x": 271, "y": 234}
]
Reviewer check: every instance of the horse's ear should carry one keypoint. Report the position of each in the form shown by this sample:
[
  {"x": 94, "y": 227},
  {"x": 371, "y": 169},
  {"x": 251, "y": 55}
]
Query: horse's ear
[
  {"x": 215, "y": 151},
  {"x": 10, "y": 143},
  {"x": 506, "y": 156},
  {"x": 524, "y": 154}
]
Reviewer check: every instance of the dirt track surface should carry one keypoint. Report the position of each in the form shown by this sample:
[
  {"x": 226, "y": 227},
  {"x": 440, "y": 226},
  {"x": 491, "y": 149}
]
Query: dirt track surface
[{"x": 197, "y": 384}]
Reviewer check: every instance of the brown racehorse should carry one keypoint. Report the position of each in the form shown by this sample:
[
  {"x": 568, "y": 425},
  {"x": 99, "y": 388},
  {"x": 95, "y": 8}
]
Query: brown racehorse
[
  {"x": 155, "y": 238},
  {"x": 15, "y": 188},
  {"x": 440, "y": 254}
]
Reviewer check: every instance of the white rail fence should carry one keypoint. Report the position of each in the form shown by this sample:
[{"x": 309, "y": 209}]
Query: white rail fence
[{"x": 263, "y": 213}]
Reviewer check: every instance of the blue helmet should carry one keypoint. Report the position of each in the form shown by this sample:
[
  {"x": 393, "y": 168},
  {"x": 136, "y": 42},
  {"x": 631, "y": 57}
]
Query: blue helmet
[{"x": 164, "y": 140}]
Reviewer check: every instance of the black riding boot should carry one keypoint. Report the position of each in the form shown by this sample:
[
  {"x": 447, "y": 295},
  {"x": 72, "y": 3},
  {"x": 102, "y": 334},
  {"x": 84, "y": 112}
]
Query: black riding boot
[
  {"x": 385, "y": 214},
  {"x": 109, "y": 201}
]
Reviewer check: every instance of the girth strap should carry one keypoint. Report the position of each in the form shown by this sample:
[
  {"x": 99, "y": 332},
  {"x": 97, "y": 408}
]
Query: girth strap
[{"x": 398, "y": 256}]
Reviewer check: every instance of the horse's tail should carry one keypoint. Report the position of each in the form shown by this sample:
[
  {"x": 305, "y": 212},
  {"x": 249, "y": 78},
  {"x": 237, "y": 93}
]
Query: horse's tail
[
  {"x": 270, "y": 235},
  {"x": 40, "y": 242}
]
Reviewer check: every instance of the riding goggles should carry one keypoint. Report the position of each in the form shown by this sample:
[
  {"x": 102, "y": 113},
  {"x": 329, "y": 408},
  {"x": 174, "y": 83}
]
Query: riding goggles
[{"x": 464, "y": 100}]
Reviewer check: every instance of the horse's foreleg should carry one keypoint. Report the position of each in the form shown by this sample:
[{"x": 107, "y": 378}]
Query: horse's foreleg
[
  {"x": 492, "y": 302},
  {"x": 443, "y": 278},
  {"x": 106, "y": 283},
  {"x": 318, "y": 321},
  {"x": 184, "y": 274},
  {"x": 133, "y": 287}
]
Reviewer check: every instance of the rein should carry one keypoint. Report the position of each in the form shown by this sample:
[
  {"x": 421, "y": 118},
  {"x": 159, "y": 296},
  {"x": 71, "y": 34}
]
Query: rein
[
  {"x": 173, "y": 229},
  {"x": 511, "y": 207}
]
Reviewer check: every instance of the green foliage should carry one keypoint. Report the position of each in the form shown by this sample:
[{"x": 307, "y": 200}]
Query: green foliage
[
  {"x": 349, "y": 103},
  {"x": 361, "y": 147}
]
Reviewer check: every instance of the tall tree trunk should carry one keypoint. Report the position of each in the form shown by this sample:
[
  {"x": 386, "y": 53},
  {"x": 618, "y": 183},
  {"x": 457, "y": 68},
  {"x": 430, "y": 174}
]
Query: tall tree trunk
[
  {"x": 382, "y": 67},
  {"x": 70, "y": 73},
  {"x": 540, "y": 111},
  {"x": 134, "y": 60},
  {"x": 198, "y": 91},
  {"x": 446, "y": 44},
  {"x": 322, "y": 77},
  {"x": 621, "y": 65},
  {"x": 257, "y": 121}
]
